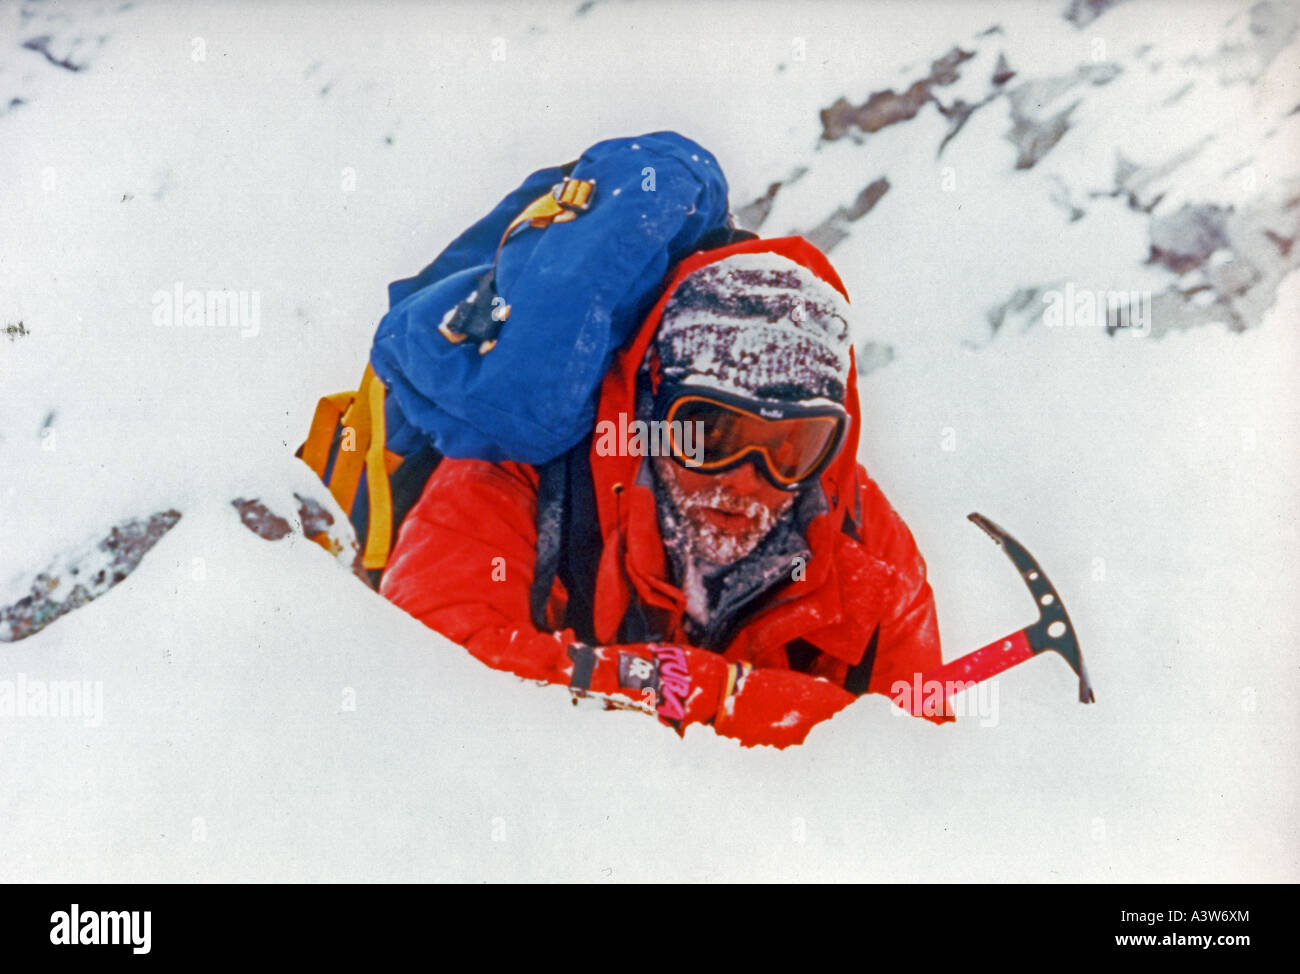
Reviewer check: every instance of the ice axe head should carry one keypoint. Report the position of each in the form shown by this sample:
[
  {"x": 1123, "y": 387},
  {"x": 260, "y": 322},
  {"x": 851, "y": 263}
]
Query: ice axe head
[{"x": 1053, "y": 630}]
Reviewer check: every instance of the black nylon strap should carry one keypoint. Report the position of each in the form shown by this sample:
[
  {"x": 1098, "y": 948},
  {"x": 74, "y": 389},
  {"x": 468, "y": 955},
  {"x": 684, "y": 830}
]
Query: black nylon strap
[
  {"x": 584, "y": 665},
  {"x": 858, "y": 678},
  {"x": 581, "y": 543},
  {"x": 550, "y": 536}
]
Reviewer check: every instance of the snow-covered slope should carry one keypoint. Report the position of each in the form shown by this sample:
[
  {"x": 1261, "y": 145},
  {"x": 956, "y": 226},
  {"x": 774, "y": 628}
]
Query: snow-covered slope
[{"x": 261, "y": 715}]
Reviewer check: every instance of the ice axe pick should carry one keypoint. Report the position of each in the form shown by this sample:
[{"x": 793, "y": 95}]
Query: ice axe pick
[{"x": 1052, "y": 631}]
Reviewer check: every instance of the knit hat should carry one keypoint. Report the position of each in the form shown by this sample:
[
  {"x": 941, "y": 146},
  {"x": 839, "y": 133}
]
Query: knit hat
[{"x": 756, "y": 324}]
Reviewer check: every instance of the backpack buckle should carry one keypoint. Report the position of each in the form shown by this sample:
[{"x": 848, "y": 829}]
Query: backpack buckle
[{"x": 574, "y": 194}]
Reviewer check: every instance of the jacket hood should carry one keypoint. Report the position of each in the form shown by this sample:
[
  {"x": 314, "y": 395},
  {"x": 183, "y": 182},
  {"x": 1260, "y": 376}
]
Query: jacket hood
[
  {"x": 633, "y": 565},
  {"x": 618, "y": 391}
]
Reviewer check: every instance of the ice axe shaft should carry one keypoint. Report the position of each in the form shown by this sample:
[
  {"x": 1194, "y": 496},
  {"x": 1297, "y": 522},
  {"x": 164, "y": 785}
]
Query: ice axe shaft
[
  {"x": 1052, "y": 631},
  {"x": 987, "y": 661}
]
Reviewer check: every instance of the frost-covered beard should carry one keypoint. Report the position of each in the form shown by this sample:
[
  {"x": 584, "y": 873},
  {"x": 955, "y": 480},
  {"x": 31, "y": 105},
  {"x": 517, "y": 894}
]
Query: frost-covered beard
[{"x": 707, "y": 542}]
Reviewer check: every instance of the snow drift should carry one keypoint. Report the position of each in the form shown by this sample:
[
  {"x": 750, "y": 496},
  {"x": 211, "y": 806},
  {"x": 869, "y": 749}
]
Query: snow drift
[{"x": 263, "y": 716}]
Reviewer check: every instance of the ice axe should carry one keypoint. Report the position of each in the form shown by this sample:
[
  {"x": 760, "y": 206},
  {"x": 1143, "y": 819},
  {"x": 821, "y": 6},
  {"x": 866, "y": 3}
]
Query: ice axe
[{"x": 1052, "y": 631}]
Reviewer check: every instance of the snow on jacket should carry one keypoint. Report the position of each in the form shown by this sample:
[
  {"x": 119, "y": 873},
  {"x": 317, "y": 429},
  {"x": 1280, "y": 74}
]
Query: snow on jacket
[{"x": 464, "y": 557}]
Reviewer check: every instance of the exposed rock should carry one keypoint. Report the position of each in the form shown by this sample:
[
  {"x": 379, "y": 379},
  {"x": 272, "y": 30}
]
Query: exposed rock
[
  {"x": 865, "y": 200},
  {"x": 1025, "y": 306},
  {"x": 1034, "y": 138},
  {"x": 834, "y": 228},
  {"x": 958, "y": 113},
  {"x": 1081, "y": 13},
  {"x": 1229, "y": 263},
  {"x": 883, "y": 108},
  {"x": 1284, "y": 244},
  {"x": 1255, "y": 38},
  {"x": 1231, "y": 276},
  {"x": 889, "y": 107},
  {"x": 752, "y": 215},
  {"x": 944, "y": 71},
  {"x": 313, "y": 521},
  {"x": 827, "y": 236},
  {"x": 258, "y": 518},
  {"x": 1062, "y": 198},
  {"x": 1033, "y": 132},
  {"x": 316, "y": 520},
  {"x": 70, "y": 37},
  {"x": 71, "y": 52},
  {"x": 1002, "y": 72},
  {"x": 1137, "y": 183},
  {"x": 83, "y": 575},
  {"x": 1185, "y": 238},
  {"x": 1037, "y": 125},
  {"x": 42, "y": 45}
]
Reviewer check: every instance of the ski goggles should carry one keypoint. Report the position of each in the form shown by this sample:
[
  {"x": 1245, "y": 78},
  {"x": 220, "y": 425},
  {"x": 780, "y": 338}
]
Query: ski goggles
[{"x": 791, "y": 444}]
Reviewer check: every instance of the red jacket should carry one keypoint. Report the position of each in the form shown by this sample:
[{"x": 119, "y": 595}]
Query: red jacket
[{"x": 464, "y": 557}]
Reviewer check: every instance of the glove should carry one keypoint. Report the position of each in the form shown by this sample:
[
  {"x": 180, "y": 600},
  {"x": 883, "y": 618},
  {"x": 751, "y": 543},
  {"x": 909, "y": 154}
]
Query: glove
[
  {"x": 778, "y": 707},
  {"x": 683, "y": 685},
  {"x": 680, "y": 685}
]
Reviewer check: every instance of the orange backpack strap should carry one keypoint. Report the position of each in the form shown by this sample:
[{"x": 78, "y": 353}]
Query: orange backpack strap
[
  {"x": 351, "y": 456},
  {"x": 316, "y": 449},
  {"x": 361, "y": 448}
]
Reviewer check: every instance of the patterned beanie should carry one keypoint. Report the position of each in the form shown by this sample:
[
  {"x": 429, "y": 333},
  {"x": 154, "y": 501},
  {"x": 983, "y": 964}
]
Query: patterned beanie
[{"x": 758, "y": 325}]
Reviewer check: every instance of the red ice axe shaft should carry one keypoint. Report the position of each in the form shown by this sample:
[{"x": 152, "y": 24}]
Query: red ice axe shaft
[{"x": 1052, "y": 631}]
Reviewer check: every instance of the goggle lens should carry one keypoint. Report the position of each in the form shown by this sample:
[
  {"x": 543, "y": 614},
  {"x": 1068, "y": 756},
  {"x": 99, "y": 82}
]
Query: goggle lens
[{"x": 792, "y": 448}]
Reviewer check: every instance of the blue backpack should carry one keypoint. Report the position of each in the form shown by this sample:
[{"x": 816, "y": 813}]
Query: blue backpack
[{"x": 497, "y": 349}]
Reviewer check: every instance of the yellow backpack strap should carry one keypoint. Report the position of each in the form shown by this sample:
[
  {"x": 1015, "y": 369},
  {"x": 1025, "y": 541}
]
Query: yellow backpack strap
[{"x": 379, "y": 531}]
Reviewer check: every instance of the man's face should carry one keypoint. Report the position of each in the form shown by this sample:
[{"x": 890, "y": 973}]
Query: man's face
[{"x": 726, "y": 514}]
